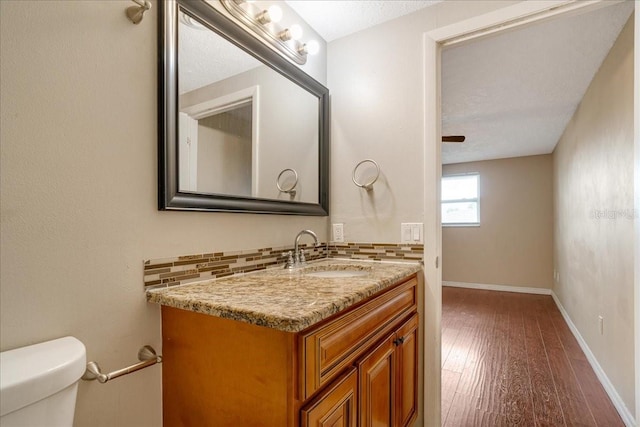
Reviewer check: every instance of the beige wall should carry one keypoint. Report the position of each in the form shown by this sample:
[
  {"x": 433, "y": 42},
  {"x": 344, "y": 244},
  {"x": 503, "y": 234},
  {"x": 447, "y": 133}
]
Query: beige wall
[
  {"x": 514, "y": 243},
  {"x": 377, "y": 107},
  {"x": 377, "y": 104},
  {"x": 78, "y": 179},
  {"x": 637, "y": 204},
  {"x": 593, "y": 198},
  {"x": 78, "y": 186}
]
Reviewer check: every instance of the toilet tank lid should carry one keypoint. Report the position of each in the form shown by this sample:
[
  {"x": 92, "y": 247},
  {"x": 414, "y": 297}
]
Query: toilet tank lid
[{"x": 32, "y": 373}]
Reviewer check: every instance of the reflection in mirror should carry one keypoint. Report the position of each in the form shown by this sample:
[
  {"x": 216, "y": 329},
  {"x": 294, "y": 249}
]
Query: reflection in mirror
[
  {"x": 224, "y": 133},
  {"x": 217, "y": 137},
  {"x": 283, "y": 132},
  {"x": 241, "y": 123},
  {"x": 217, "y": 143}
]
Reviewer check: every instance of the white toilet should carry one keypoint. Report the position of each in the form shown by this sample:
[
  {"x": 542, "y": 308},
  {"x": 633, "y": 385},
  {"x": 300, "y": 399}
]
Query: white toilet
[{"x": 38, "y": 383}]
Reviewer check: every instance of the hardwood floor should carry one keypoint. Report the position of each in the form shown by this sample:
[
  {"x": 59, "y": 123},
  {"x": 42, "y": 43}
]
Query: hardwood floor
[{"x": 510, "y": 359}]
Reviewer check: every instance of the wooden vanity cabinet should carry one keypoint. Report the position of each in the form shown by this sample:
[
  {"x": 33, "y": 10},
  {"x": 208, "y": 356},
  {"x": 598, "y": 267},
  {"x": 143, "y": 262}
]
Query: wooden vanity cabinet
[
  {"x": 406, "y": 399},
  {"x": 377, "y": 378},
  {"x": 357, "y": 368},
  {"x": 388, "y": 379},
  {"x": 337, "y": 406},
  {"x": 221, "y": 372}
]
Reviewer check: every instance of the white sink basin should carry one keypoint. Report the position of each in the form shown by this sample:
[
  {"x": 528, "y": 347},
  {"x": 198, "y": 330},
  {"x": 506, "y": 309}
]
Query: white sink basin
[
  {"x": 337, "y": 274},
  {"x": 336, "y": 271}
]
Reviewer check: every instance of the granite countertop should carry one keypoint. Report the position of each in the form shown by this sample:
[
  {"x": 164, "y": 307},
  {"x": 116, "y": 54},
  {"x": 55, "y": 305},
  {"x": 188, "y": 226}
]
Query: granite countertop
[{"x": 283, "y": 300}]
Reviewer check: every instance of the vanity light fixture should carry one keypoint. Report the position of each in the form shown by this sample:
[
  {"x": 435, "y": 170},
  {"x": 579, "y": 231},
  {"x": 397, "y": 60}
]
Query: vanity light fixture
[
  {"x": 273, "y": 14},
  {"x": 263, "y": 23},
  {"x": 296, "y": 32},
  {"x": 311, "y": 47},
  {"x": 292, "y": 33}
]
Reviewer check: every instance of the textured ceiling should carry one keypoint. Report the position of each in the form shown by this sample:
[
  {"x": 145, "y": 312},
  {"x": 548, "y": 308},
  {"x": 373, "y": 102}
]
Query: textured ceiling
[
  {"x": 206, "y": 58},
  {"x": 333, "y": 19},
  {"x": 513, "y": 94}
]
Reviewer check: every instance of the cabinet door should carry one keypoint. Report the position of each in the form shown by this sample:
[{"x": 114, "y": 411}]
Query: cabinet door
[
  {"x": 336, "y": 407},
  {"x": 407, "y": 372},
  {"x": 377, "y": 383}
]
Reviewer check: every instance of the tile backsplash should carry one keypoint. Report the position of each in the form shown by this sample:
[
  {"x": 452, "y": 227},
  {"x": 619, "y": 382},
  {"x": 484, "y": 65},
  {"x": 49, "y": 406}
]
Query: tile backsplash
[
  {"x": 376, "y": 251},
  {"x": 193, "y": 268}
]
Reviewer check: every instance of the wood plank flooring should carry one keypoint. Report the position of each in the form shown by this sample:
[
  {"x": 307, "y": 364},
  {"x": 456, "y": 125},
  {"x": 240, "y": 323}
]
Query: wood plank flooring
[{"x": 510, "y": 359}]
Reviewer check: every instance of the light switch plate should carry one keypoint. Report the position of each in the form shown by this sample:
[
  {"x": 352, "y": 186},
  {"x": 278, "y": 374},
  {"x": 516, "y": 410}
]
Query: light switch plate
[
  {"x": 338, "y": 233},
  {"x": 412, "y": 232},
  {"x": 405, "y": 233}
]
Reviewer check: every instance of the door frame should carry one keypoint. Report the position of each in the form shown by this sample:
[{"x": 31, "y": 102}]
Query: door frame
[{"x": 517, "y": 15}]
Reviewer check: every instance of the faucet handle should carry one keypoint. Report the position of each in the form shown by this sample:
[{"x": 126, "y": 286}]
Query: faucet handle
[
  {"x": 289, "y": 262},
  {"x": 302, "y": 260}
]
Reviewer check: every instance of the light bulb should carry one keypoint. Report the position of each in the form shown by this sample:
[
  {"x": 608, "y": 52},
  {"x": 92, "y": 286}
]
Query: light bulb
[
  {"x": 275, "y": 13},
  {"x": 296, "y": 32},
  {"x": 312, "y": 47}
]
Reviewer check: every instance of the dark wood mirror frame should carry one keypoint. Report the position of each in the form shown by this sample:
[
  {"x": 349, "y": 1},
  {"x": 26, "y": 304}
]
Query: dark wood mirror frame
[{"x": 169, "y": 196}]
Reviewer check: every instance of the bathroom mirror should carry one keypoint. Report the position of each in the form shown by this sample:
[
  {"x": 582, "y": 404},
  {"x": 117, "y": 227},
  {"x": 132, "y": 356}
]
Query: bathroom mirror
[{"x": 241, "y": 129}]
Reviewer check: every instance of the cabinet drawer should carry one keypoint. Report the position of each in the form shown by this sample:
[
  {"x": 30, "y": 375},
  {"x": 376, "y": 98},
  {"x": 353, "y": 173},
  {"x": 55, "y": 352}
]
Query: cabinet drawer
[{"x": 327, "y": 349}]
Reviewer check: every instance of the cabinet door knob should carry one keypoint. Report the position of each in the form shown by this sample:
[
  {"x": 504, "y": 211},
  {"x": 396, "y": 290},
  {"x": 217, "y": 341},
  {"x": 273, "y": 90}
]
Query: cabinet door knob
[{"x": 398, "y": 341}]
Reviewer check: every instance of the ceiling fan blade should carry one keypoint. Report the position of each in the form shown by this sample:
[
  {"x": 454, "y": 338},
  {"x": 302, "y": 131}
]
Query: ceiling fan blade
[{"x": 453, "y": 138}]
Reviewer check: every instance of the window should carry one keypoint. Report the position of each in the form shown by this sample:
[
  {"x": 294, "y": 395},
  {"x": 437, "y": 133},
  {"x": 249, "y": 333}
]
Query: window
[{"x": 461, "y": 199}]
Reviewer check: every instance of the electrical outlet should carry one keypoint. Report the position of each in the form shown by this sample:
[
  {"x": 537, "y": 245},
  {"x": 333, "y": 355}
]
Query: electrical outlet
[
  {"x": 601, "y": 324},
  {"x": 338, "y": 233}
]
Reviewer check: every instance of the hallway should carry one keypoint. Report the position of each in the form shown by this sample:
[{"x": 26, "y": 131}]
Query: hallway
[{"x": 510, "y": 359}]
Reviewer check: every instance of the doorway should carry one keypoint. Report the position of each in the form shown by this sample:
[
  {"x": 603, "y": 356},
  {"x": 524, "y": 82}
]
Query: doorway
[{"x": 517, "y": 15}]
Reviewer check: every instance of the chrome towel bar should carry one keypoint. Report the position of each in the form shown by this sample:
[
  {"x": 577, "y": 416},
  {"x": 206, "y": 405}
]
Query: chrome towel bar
[{"x": 147, "y": 356}]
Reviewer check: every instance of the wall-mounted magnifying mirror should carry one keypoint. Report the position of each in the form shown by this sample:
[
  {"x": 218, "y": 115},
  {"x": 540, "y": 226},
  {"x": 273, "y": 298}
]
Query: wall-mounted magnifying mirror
[{"x": 234, "y": 115}]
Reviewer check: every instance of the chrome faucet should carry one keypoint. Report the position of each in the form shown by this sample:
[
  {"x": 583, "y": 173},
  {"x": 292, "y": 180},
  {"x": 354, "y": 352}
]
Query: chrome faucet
[{"x": 298, "y": 254}]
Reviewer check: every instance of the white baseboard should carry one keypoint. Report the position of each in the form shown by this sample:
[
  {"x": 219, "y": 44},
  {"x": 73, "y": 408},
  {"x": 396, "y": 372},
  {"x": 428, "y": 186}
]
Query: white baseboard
[
  {"x": 501, "y": 288},
  {"x": 625, "y": 414}
]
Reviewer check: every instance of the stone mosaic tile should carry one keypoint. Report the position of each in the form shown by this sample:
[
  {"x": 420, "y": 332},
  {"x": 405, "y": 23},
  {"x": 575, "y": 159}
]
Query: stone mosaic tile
[
  {"x": 160, "y": 273},
  {"x": 192, "y": 268}
]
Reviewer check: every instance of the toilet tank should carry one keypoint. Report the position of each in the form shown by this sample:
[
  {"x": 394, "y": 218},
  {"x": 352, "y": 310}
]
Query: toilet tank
[{"x": 38, "y": 383}]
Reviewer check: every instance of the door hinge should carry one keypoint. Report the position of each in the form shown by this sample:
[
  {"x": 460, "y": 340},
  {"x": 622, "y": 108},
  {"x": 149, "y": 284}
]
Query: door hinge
[{"x": 437, "y": 262}]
